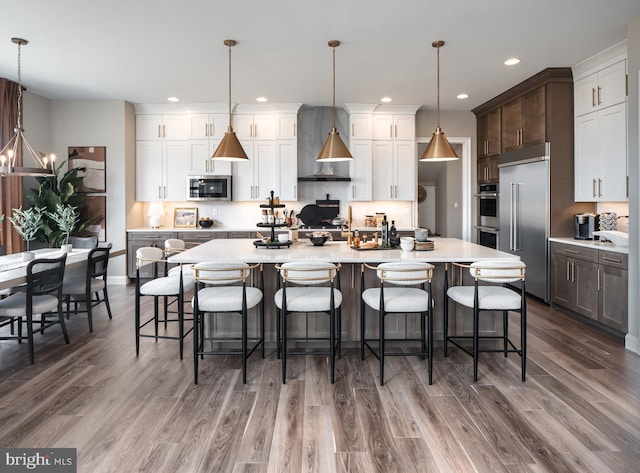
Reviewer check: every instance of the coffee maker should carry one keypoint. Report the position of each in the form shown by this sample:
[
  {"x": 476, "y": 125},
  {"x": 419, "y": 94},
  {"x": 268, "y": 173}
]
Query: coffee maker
[{"x": 584, "y": 225}]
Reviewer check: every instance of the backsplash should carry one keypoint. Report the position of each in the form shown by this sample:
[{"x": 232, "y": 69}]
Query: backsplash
[{"x": 621, "y": 209}]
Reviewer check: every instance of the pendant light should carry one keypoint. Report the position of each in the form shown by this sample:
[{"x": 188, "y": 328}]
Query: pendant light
[
  {"x": 18, "y": 141},
  {"x": 438, "y": 148},
  {"x": 334, "y": 149},
  {"x": 230, "y": 148}
]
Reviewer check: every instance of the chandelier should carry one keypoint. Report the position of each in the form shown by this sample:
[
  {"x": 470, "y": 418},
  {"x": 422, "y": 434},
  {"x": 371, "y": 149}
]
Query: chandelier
[{"x": 8, "y": 154}]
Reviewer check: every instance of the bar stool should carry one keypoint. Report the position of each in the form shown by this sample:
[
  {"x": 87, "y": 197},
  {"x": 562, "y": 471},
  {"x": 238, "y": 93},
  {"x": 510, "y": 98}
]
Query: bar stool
[
  {"x": 308, "y": 286},
  {"x": 222, "y": 288},
  {"x": 175, "y": 285},
  {"x": 492, "y": 297},
  {"x": 396, "y": 296}
]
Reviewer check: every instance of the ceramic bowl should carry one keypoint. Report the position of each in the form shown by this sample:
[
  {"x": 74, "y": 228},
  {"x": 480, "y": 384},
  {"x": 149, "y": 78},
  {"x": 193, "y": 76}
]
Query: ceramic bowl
[
  {"x": 283, "y": 237},
  {"x": 407, "y": 243},
  {"x": 205, "y": 223},
  {"x": 318, "y": 240},
  {"x": 422, "y": 234}
]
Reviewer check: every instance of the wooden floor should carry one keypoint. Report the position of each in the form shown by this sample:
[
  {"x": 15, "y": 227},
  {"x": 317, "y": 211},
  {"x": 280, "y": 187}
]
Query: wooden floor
[{"x": 578, "y": 411}]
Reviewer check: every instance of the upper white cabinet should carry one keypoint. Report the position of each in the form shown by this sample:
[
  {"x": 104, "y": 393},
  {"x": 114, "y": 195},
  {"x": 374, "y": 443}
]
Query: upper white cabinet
[
  {"x": 600, "y": 108},
  {"x": 254, "y": 127},
  {"x": 200, "y": 152},
  {"x": 360, "y": 126},
  {"x": 255, "y": 178},
  {"x": 361, "y": 170},
  {"x": 205, "y": 126},
  {"x": 394, "y": 170},
  {"x": 287, "y": 169},
  {"x": 286, "y": 126},
  {"x": 161, "y": 170},
  {"x": 161, "y": 127},
  {"x": 601, "y": 89},
  {"x": 394, "y": 127},
  {"x": 601, "y": 155}
]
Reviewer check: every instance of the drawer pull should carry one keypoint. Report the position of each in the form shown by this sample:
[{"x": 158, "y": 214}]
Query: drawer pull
[
  {"x": 611, "y": 260},
  {"x": 573, "y": 252}
]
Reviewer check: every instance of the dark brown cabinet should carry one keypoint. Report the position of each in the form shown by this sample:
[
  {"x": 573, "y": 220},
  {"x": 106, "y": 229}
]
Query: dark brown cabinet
[
  {"x": 488, "y": 170},
  {"x": 590, "y": 282},
  {"x": 489, "y": 137},
  {"x": 523, "y": 120},
  {"x": 137, "y": 240}
]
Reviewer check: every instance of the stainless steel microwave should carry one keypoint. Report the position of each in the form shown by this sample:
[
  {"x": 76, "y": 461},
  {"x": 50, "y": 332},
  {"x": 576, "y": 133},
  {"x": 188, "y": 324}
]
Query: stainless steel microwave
[{"x": 209, "y": 187}]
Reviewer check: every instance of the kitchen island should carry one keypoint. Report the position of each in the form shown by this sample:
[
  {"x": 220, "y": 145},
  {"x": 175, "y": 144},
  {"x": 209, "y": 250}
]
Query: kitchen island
[{"x": 447, "y": 250}]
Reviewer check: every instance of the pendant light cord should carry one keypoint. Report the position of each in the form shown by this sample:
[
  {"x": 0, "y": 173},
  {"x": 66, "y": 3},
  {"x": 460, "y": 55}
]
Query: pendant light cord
[
  {"x": 334, "y": 88},
  {"x": 438, "y": 83},
  {"x": 229, "y": 86},
  {"x": 19, "y": 86}
]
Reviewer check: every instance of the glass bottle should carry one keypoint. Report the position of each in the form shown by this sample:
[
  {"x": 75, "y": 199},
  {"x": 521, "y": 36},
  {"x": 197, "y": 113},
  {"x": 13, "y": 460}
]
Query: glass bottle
[
  {"x": 385, "y": 232},
  {"x": 356, "y": 240},
  {"x": 393, "y": 234}
]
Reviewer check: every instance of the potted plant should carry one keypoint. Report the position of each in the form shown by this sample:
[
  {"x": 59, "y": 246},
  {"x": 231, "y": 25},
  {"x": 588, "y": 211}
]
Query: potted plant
[
  {"x": 65, "y": 218},
  {"x": 27, "y": 223}
]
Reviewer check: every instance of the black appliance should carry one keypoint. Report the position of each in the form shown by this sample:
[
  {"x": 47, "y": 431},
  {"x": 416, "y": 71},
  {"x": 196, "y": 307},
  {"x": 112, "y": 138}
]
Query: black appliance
[
  {"x": 320, "y": 215},
  {"x": 209, "y": 187},
  {"x": 584, "y": 225},
  {"x": 488, "y": 221}
]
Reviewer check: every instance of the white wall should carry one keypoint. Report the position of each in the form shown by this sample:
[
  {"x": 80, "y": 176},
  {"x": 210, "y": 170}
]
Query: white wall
[{"x": 632, "y": 341}]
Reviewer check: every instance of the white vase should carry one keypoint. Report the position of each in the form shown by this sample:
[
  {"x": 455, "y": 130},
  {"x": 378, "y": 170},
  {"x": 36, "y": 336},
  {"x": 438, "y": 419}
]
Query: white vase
[
  {"x": 28, "y": 256},
  {"x": 66, "y": 248}
]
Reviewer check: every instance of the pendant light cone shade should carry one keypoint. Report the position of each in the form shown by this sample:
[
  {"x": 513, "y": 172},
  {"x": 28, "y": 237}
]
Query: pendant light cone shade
[
  {"x": 18, "y": 143},
  {"x": 438, "y": 149},
  {"x": 230, "y": 148},
  {"x": 334, "y": 148}
]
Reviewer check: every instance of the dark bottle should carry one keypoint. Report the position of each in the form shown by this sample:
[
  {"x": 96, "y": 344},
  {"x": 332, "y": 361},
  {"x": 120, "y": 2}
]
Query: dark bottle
[
  {"x": 393, "y": 234},
  {"x": 385, "y": 232}
]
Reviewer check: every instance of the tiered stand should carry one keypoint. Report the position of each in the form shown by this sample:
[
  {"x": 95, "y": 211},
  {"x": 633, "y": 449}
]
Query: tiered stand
[{"x": 273, "y": 241}]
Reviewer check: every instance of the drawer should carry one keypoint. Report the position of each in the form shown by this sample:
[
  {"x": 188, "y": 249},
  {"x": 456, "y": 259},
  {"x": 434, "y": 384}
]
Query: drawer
[
  {"x": 242, "y": 235},
  {"x": 150, "y": 236},
  {"x": 616, "y": 260},
  {"x": 575, "y": 251},
  {"x": 201, "y": 236}
]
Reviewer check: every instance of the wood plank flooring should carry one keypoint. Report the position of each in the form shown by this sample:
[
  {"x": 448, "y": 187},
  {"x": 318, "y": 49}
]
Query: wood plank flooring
[{"x": 578, "y": 411}]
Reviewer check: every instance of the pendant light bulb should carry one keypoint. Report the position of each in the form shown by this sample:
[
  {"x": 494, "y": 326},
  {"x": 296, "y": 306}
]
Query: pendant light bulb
[
  {"x": 230, "y": 148},
  {"x": 334, "y": 149},
  {"x": 438, "y": 149}
]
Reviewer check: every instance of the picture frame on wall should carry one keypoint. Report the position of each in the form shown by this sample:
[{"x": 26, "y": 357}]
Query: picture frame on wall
[
  {"x": 185, "y": 217},
  {"x": 91, "y": 164}
]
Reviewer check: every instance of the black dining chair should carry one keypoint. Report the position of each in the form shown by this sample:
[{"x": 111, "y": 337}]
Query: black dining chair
[
  {"x": 42, "y": 295},
  {"x": 83, "y": 288},
  {"x": 83, "y": 242}
]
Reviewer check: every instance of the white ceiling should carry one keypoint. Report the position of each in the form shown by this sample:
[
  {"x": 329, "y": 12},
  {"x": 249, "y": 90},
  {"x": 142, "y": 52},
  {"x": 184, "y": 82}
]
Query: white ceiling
[{"x": 144, "y": 51}]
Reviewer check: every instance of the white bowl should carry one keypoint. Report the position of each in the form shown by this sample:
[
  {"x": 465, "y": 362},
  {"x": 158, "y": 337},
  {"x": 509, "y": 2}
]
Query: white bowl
[
  {"x": 407, "y": 245},
  {"x": 616, "y": 237},
  {"x": 283, "y": 237}
]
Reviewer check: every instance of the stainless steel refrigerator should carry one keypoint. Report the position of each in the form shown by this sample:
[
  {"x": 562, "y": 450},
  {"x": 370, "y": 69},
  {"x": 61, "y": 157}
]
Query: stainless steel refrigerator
[{"x": 525, "y": 212}]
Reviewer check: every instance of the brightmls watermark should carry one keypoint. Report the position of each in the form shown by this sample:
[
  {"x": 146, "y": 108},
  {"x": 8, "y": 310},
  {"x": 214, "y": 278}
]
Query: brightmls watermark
[{"x": 48, "y": 460}]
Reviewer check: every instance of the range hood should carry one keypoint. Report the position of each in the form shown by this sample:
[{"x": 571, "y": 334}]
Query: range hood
[{"x": 313, "y": 125}]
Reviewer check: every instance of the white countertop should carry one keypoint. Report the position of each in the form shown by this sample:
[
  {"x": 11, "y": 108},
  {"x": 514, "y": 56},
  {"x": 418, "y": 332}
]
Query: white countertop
[
  {"x": 596, "y": 244},
  {"x": 196, "y": 229},
  {"x": 446, "y": 250}
]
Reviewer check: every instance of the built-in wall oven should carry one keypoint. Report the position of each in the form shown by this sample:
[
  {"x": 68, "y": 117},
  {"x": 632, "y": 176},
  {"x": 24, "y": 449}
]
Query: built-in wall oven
[{"x": 488, "y": 220}]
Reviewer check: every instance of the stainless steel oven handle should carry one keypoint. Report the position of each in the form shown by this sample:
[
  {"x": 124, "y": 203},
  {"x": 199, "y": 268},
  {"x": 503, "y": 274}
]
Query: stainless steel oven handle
[{"x": 493, "y": 230}]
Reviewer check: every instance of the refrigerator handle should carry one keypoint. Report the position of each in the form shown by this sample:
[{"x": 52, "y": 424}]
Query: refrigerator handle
[
  {"x": 516, "y": 219},
  {"x": 511, "y": 210}
]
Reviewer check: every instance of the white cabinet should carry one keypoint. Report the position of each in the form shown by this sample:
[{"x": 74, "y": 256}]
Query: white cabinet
[
  {"x": 254, "y": 127},
  {"x": 161, "y": 170},
  {"x": 253, "y": 179},
  {"x": 287, "y": 162},
  {"x": 200, "y": 161},
  {"x": 360, "y": 126},
  {"x": 601, "y": 89},
  {"x": 286, "y": 126},
  {"x": 161, "y": 127},
  {"x": 394, "y": 170},
  {"x": 601, "y": 155},
  {"x": 361, "y": 171},
  {"x": 206, "y": 126},
  {"x": 394, "y": 127}
]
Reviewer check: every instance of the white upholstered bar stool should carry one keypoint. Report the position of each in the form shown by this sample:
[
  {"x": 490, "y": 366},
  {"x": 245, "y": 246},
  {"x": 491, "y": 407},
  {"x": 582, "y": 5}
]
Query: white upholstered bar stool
[
  {"x": 405, "y": 288},
  {"x": 221, "y": 288},
  {"x": 175, "y": 285},
  {"x": 494, "y": 295},
  {"x": 308, "y": 286}
]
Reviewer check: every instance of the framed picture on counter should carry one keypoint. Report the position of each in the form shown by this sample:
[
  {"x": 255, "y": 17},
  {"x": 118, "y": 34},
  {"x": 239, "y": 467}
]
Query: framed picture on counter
[{"x": 185, "y": 217}]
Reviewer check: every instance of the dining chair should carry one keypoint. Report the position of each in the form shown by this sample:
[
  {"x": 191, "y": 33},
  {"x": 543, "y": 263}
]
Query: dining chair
[
  {"x": 221, "y": 288},
  {"x": 404, "y": 288},
  {"x": 83, "y": 288},
  {"x": 303, "y": 287},
  {"x": 175, "y": 285},
  {"x": 492, "y": 295},
  {"x": 43, "y": 295}
]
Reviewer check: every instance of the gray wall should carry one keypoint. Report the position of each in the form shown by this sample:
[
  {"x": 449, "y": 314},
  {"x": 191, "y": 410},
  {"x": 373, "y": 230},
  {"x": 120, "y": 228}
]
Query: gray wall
[{"x": 633, "y": 45}]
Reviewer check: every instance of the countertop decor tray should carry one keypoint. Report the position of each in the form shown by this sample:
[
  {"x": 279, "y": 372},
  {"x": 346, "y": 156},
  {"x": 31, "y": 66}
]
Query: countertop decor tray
[{"x": 424, "y": 245}]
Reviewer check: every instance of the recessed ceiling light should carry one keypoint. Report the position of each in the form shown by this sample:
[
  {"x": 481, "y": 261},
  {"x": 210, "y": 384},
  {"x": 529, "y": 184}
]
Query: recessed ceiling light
[
  {"x": 386, "y": 99},
  {"x": 173, "y": 99},
  {"x": 512, "y": 61},
  {"x": 261, "y": 99},
  {"x": 463, "y": 96}
]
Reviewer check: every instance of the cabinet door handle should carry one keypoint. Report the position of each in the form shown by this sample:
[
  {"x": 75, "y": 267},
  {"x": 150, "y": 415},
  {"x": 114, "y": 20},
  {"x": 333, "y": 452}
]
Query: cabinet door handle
[
  {"x": 395, "y": 189},
  {"x": 395, "y": 131},
  {"x": 599, "y": 101},
  {"x": 593, "y": 187},
  {"x": 353, "y": 130},
  {"x": 255, "y": 130},
  {"x": 599, "y": 187},
  {"x": 206, "y": 129},
  {"x": 391, "y": 131},
  {"x": 573, "y": 272},
  {"x": 353, "y": 191},
  {"x": 611, "y": 260},
  {"x": 159, "y": 192},
  {"x": 391, "y": 191},
  {"x": 598, "y": 279},
  {"x": 159, "y": 131},
  {"x": 164, "y": 131},
  {"x": 295, "y": 191},
  {"x": 593, "y": 97},
  {"x": 294, "y": 129},
  {"x": 568, "y": 271}
]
